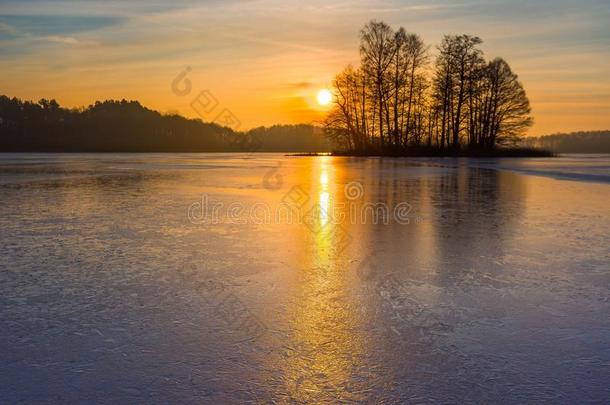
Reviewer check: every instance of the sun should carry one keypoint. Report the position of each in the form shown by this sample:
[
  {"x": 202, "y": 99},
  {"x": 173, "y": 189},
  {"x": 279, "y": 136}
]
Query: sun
[{"x": 324, "y": 97}]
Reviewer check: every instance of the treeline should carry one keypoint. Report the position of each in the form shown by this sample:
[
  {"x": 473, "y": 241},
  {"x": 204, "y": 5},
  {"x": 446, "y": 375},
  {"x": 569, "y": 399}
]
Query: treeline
[
  {"x": 288, "y": 138},
  {"x": 127, "y": 126},
  {"x": 399, "y": 99},
  {"x": 574, "y": 142}
]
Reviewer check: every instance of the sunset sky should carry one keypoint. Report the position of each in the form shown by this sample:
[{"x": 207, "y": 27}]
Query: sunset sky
[{"x": 266, "y": 60}]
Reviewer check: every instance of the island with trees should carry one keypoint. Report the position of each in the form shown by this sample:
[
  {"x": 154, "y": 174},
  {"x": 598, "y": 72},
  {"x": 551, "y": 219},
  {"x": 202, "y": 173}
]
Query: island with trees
[{"x": 397, "y": 102}]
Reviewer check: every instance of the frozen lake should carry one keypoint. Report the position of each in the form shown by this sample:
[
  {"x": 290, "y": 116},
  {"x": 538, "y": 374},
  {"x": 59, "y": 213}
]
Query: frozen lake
[{"x": 227, "y": 278}]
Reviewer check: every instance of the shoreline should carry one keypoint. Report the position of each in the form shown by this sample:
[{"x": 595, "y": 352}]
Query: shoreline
[
  {"x": 434, "y": 152},
  {"x": 419, "y": 152}
]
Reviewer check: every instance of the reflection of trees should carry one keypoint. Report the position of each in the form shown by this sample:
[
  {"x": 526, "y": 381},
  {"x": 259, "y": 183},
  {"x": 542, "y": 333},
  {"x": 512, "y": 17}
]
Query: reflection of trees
[
  {"x": 461, "y": 220},
  {"x": 460, "y": 215},
  {"x": 422, "y": 283},
  {"x": 476, "y": 210}
]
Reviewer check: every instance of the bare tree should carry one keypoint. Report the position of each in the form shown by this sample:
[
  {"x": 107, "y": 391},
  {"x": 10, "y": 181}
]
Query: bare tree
[
  {"x": 377, "y": 51},
  {"x": 507, "y": 113},
  {"x": 348, "y": 121},
  {"x": 456, "y": 66},
  {"x": 417, "y": 53}
]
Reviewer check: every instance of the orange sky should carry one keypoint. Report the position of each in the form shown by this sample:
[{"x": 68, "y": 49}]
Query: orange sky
[{"x": 265, "y": 60}]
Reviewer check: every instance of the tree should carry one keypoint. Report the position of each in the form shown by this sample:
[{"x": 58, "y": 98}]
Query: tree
[
  {"x": 417, "y": 53},
  {"x": 508, "y": 114},
  {"x": 377, "y": 51},
  {"x": 456, "y": 65}
]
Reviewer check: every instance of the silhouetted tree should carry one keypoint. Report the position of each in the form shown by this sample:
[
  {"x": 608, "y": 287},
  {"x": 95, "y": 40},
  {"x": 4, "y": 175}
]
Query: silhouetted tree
[
  {"x": 506, "y": 112},
  {"x": 377, "y": 49},
  {"x": 456, "y": 66}
]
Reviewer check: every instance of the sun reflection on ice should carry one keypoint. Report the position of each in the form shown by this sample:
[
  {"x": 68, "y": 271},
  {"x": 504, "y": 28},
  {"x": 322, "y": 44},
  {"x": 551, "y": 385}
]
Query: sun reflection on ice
[{"x": 324, "y": 350}]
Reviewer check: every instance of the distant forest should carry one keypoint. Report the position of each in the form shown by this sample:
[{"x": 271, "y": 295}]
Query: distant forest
[
  {"x": 398, "y": 99},
  {"x": 127, "y": 126},
  {"x": 574, "y": 142}
]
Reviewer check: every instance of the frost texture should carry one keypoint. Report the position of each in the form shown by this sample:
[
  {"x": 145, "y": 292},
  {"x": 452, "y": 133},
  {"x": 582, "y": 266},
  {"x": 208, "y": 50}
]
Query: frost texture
[{"x": 497, "y": 293}]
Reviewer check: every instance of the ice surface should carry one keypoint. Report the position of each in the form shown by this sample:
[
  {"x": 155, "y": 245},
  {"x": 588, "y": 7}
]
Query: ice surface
[{"x": 495, "y": 291}]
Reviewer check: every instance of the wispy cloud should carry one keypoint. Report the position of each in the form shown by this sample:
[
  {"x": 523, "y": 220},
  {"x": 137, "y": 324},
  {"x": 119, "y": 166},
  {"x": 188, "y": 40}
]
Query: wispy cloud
[
  {"x": 299, "y": 85},
  {"x": 65, "y": 40}
]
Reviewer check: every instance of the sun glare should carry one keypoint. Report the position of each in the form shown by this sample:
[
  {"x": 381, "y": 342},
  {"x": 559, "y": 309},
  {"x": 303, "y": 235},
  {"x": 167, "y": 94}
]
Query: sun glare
[{"x": 324, "y": 97}]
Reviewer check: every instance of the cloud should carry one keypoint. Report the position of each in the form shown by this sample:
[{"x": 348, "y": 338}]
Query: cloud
[
  {"x": 49, "y": 25},
  {"x": 61, "y": 39},
  {"x": 299, "y": 85},
  {"x": 7, "y": 30}
]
